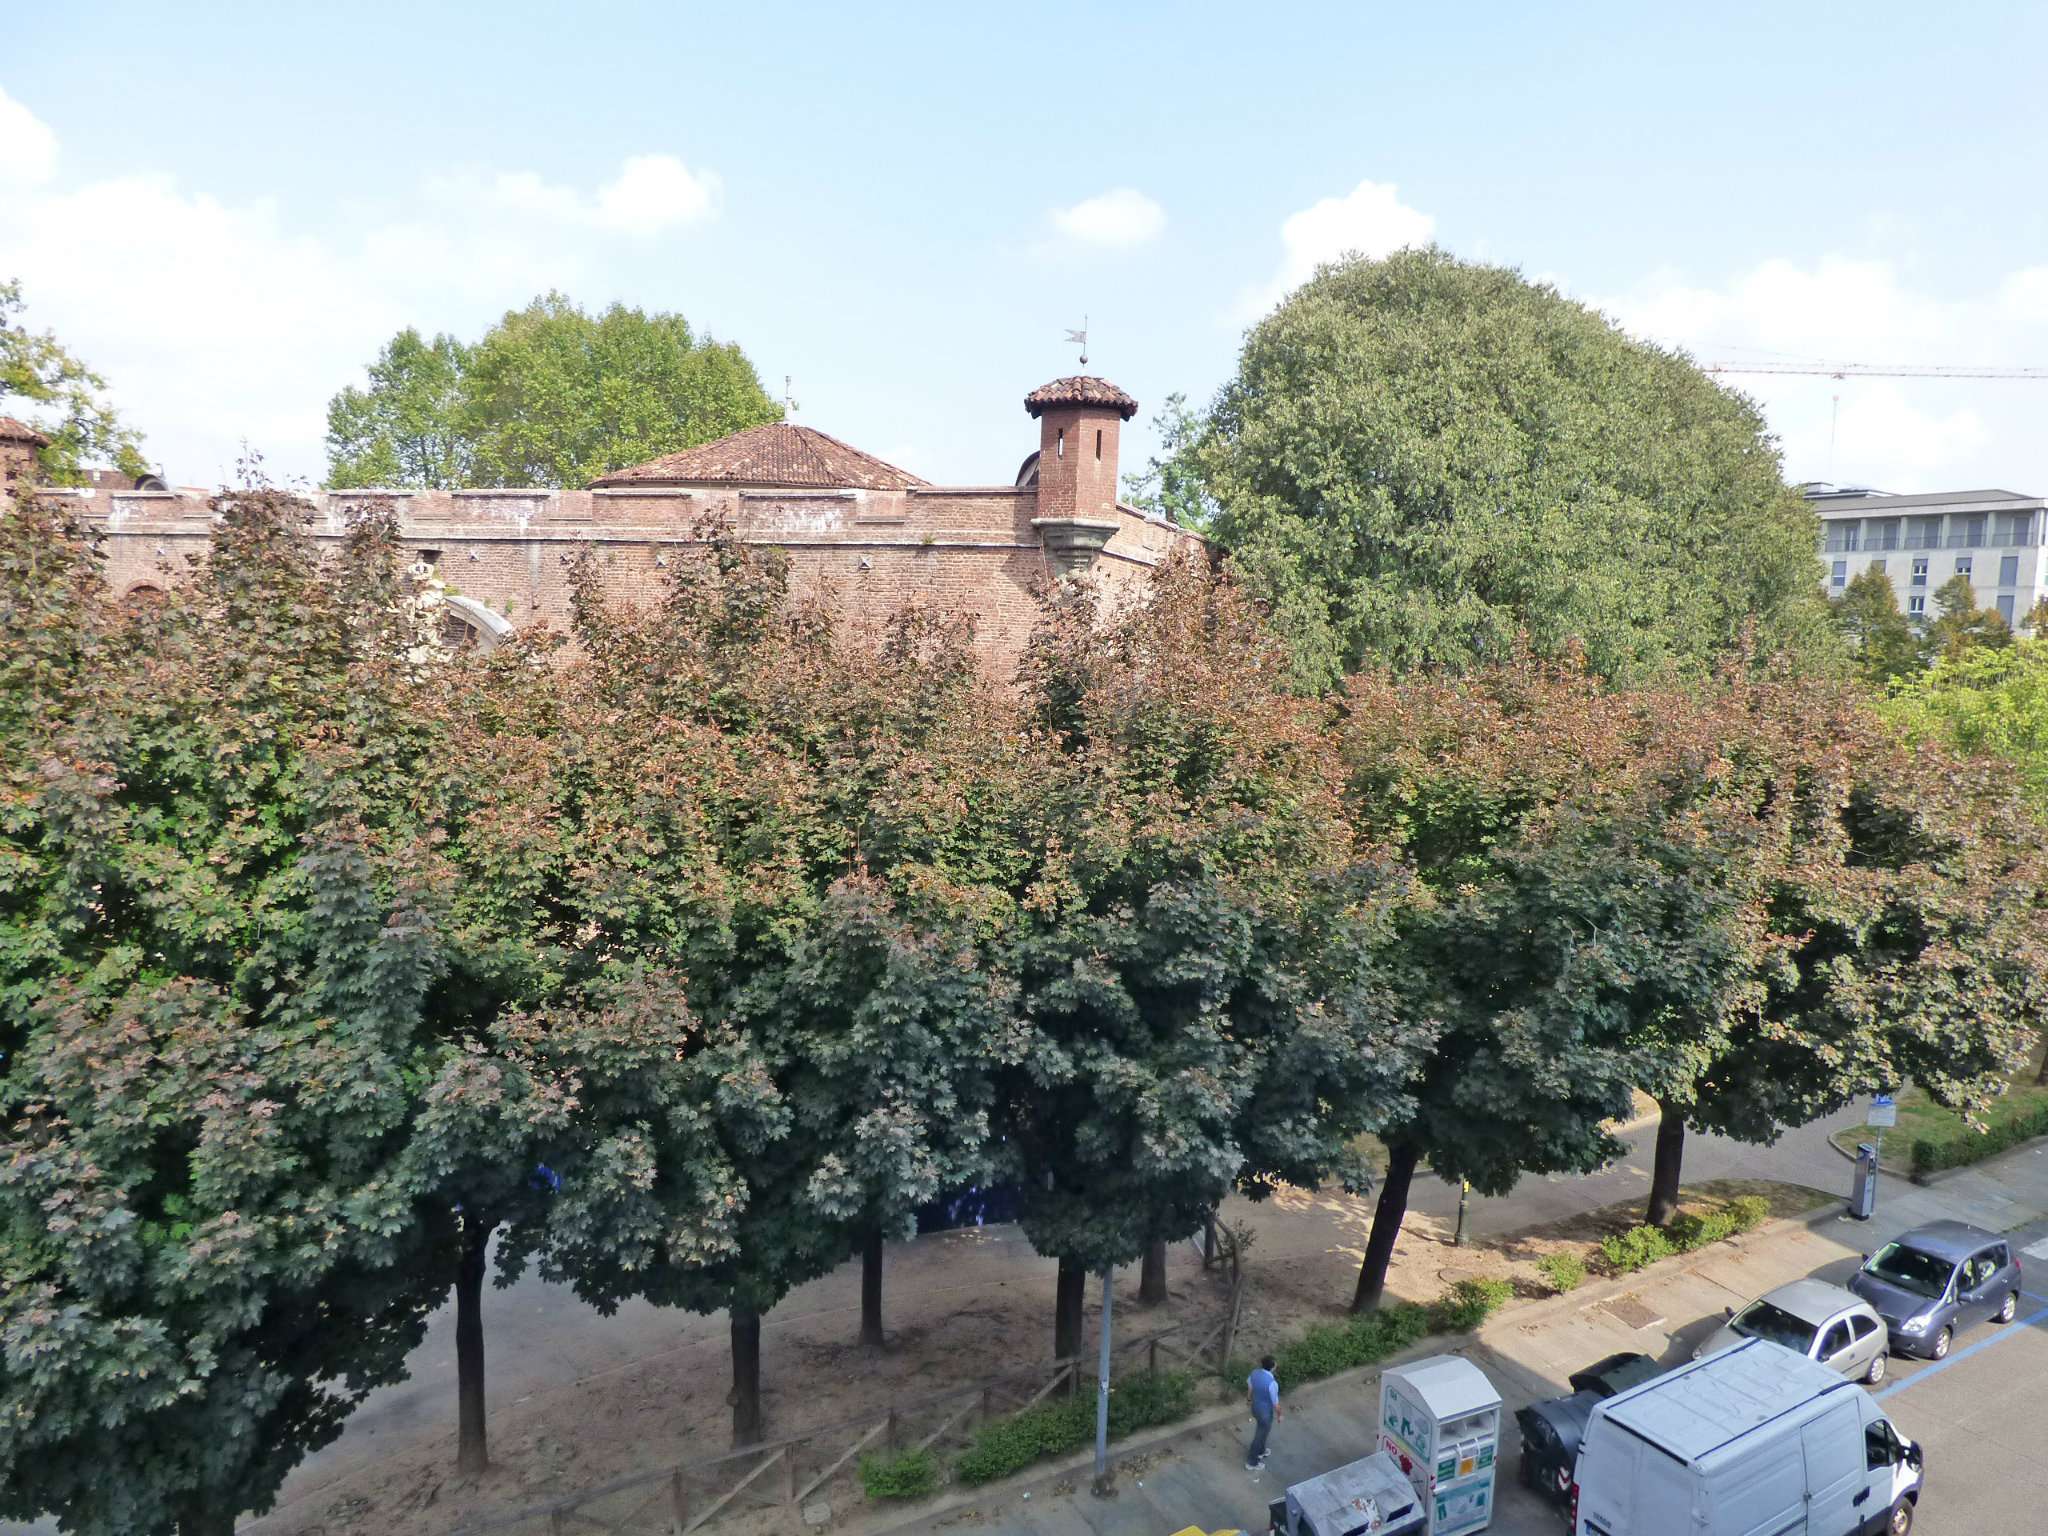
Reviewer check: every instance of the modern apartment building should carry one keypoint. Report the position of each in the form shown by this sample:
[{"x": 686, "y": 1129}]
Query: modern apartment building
[{"x": 1920, "y": 542}]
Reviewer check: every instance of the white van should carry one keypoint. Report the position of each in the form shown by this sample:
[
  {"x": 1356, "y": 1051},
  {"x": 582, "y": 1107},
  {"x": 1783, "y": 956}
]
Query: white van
[{"x": 1754, "y": 1441}]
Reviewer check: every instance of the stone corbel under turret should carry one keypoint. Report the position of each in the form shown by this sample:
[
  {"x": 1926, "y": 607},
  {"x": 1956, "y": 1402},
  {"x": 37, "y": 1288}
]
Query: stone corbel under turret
[{"x": 1072, "y": 543}]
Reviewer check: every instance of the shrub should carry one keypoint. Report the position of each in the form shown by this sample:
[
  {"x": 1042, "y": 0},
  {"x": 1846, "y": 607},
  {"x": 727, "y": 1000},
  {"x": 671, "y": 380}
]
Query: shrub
[
  {"x": 1327, "y": 1348},
  {"x": 1564, "y": 1270},
  {"x": 1052, "y": 1429},
  {"x": 1749, "y": 1212},
  {"x": 1468, "y": 1304},
  {"x": 1634, "y": 1248},
  {"x": 1933, "y": 1153},
  {"x": 1689, "y": 1230},
  {"x": 903, "y": 1475}
]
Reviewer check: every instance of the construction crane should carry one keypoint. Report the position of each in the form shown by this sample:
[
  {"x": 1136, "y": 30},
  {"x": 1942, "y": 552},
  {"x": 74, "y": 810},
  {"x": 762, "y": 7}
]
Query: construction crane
[{"x": 1881, "y": 371}]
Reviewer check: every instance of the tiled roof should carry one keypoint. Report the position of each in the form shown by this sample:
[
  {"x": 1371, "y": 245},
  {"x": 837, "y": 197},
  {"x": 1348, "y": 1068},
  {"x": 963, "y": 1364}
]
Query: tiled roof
[
  {"x": 777, "y": 454},
  {"x": 12, "y": 431},
  {"x": 1081, "y": 390}
]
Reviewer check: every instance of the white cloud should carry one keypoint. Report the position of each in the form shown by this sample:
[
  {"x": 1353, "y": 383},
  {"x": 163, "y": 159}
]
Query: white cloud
[
  {"x": 1370, "y": 220},
  {"x": 650, "y": 194},
  {"x": 28, "y": 149},
  {"x": 217, "y": 323},
  {"x": 1920, "y": 434},
  {"x": 1122, "y": 216}
]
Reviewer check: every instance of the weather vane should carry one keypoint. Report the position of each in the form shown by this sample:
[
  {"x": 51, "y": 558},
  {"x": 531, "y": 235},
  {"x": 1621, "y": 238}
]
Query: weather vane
[{"x": 1080, "y": 339}]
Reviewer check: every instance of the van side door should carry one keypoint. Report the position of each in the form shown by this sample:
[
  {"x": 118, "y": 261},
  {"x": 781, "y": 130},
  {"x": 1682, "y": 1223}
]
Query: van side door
[{"x": 1833, "y": 1448}]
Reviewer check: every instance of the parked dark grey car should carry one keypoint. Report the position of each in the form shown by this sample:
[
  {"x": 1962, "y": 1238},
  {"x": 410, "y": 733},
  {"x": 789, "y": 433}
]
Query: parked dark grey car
[{"x": 1934, "y": 1281}]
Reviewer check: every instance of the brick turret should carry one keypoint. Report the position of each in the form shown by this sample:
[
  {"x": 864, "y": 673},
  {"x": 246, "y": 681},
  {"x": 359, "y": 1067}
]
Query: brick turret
[
  {"x": 18, "y": 444},
  {"x": 1078, "y": 423}
]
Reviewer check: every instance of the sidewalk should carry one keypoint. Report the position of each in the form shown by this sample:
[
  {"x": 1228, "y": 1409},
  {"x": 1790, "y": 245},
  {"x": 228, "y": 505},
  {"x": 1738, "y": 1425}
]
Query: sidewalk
[{"x": 1196, "y": 1476}]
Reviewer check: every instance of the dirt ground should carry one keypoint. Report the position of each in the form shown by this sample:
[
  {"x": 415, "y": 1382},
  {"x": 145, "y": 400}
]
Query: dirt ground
[{"x": 960, "y": 1311}]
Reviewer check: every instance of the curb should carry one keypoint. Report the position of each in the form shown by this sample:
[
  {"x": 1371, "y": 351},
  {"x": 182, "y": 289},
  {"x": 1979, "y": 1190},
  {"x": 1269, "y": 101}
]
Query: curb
[{"x": 1080, "y": 1466}]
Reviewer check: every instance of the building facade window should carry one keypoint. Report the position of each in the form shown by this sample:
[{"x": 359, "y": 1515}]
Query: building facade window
[
  {"x": 1843, "y": 538},
  {"x": 1963, "y": 564},
  {"x": 1920, "y": 571},
  {"x": 1924, "y": 533},
  {"x": 1966, "y": 532},
  {"x": 1917, "y": 604},
  {"x": 2005, "y": 607},
  {"x": 1840, "y": 578},
  {"x": 2008, "y": 570}
]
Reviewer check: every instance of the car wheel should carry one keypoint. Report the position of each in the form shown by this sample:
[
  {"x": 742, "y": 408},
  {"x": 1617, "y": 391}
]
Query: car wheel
[
  {"x": 1900, "y": 1521},
  {"x": 1942, "y": 1340},
  {"x": 2011, "y": 1307},
  {"x": 1876, "y": 1372}
]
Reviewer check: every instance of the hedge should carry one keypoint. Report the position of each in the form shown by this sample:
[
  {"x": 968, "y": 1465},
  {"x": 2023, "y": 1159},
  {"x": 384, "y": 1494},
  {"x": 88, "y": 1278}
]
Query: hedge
[
  {"x": 1055, "y": 1428},
  {"x": 1933, "y": 1153},
  {"x": 1565, "y": 1270},
  {"x": 903, "y": 1475},
  {"x": 1630, "y": 1251}
]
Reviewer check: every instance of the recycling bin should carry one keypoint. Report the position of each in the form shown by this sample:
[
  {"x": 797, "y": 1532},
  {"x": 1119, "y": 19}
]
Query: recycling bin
[
  {"x": 1440, "y": 1422},
  {"x": 1368, "y": 1497},
  {"x": 1863, "y": 1191}
]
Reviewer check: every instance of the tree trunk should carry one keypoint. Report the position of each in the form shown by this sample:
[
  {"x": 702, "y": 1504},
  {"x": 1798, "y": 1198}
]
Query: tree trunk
[
  {"x": 746, "y": 1378},
  {"x": 871, "y": 1290},
  {"x": 1387, "y": 1216},
  {"x": 472, "y": 1450},
  {"x": 1670, "y": 1160},
  {"x": 1066, "y": 1309},
  {"x": 1152, "y": 1277},
  {"x": 1209, "y": 1234}
]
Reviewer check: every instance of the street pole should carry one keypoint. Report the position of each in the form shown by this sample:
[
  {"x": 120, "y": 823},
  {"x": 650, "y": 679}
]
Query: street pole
[
  {"x": 1464, "y": 1195},
  {"x": 1103, "y": 1487}
]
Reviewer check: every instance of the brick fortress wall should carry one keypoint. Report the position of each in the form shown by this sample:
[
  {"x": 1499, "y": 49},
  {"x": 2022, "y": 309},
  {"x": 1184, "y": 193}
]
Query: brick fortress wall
[{"x": 505, "y": 555}]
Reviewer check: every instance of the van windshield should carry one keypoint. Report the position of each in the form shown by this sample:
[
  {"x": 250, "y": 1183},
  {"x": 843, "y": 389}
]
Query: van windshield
[
  {"x": 1761, "y": 1320},
  {"x": 1910, "y": 1269}
]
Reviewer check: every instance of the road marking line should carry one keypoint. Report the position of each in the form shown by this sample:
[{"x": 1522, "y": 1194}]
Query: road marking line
[
  {"x": 2037, "y": 1250},
  {"x": 1936, "y": 1367}
]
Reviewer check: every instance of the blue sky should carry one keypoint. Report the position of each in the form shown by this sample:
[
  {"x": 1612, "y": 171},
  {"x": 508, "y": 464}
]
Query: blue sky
[{"x": 228, "y": 208}]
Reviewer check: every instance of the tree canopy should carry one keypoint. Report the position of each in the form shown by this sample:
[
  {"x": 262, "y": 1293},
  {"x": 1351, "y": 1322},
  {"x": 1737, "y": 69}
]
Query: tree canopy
[
  {"x": 67, "y": 400},
  {"x": 1883, "y": 643},
  {"x": 1420, "y": 458},
  {"x": 550, "y": 395}
]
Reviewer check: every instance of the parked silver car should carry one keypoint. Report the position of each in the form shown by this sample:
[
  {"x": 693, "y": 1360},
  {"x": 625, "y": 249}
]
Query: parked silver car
[
  {"x": 1937, "y": 1279},
  {"x": 1820, "y": 1321}
]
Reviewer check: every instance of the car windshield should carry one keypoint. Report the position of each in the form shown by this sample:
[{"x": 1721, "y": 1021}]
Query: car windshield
[
  {"x": 1909, "y": 1269},
  {"x": 1762, "y": 1320}
]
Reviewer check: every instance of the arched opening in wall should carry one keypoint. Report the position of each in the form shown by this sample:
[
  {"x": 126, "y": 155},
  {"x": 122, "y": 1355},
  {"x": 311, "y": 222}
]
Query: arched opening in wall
[
  {"x": 142, "y": 597},
  {"x": 467, "y": 625}
]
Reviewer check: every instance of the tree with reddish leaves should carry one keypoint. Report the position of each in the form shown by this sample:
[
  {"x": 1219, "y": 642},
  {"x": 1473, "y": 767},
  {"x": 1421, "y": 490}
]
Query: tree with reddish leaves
[{"x": 1206, "y": 953}]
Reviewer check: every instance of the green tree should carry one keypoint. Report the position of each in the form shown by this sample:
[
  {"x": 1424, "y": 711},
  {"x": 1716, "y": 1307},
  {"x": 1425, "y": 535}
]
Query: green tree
[
  {"x": 405, "y": 428},
  {"x": 1207, "y": 954},
  {"x": 550, "y": 395},
  {"x": 218, "y": 945},
  {"x": 1170, "y": 485},
  {"x": 1882, "y": 641},
  {"x": 83, "y": 428},
  {"x": 1984, "y": 700},
  {"x": 1420, "y": 458},
  {"x": 1961, "y": 625}
]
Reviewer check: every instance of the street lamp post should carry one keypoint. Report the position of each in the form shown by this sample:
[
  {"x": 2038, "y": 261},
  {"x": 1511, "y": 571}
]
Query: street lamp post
[{"x": 1103, "y": 1487}]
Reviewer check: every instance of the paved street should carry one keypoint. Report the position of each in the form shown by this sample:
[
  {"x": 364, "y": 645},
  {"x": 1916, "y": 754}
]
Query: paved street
[{"x": 1982, "y": 1414}]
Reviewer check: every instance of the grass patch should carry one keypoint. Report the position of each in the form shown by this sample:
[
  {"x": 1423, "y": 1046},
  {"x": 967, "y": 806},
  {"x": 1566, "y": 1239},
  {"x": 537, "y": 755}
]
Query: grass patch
[{"x": 1929, "y": 1138}]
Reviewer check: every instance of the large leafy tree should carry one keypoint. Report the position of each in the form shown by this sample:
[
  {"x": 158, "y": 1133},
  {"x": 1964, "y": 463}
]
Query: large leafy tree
[
  {"x": 1987, "y": 700},
  {"x": 406, "y": 428},
  {"x": 1206, "y": 952},
  {"x": 550, "y": 395},
  {"x": 1420, "y": 458},
  {"x": 1962, "y": 626},
  {"x": 219, "y": 939},
  {"x": 68, "y": 400}
]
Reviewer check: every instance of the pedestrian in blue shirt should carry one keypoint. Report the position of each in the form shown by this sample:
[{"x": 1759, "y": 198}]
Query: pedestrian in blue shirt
[{"x": 1264, "y": 1387}]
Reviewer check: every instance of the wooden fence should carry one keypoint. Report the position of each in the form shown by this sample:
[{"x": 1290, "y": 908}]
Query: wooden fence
[{"x": 788, "y": 1473}]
